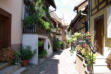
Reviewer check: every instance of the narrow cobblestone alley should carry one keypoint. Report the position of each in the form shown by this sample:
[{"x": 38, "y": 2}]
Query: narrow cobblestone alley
[{"x": 61, "y": 63}]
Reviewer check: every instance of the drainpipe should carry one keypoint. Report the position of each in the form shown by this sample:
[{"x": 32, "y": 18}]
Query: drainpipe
[{"x": 91, "y": 58}]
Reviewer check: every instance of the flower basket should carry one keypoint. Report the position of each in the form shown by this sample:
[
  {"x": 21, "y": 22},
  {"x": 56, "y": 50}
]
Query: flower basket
[
  {"x": 89, "y": 68},
  {"x": 26, "y": 55}
]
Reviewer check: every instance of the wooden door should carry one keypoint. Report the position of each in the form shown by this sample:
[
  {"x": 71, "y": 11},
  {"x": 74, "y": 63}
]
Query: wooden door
[
  {"x": 99, "y": 32},
  {"x": 2, "y": 31},
  {"x": 5, "y": 29},
  {"x": 0, "y": 34}
]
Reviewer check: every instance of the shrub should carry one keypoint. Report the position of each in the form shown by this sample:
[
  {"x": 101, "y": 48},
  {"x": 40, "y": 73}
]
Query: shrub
[
  {"x": 7, "y": 55},
  {"x": 43, "y": 54},
  {"x": 26, "y": 53},
  {"x": 40, "y": 43},
  {"x": 61, "y": 44},
  {"x": 17, "y": 57},
  {"x": 56, "y": 44}
]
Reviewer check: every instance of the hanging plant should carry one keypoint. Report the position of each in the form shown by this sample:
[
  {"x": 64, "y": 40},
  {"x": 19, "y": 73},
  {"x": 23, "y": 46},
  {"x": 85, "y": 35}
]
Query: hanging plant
[
  {"x": 29, "y": 21},
  {"x": 39, "y": 11}
]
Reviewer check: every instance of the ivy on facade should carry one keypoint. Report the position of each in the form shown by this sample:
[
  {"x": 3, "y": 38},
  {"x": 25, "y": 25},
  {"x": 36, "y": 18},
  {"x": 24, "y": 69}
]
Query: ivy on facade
[{"x": 37, "y": 13}]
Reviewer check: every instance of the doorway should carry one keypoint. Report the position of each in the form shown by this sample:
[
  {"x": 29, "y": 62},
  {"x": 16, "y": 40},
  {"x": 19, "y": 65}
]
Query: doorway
[
  {"x": 99, "y": 33},
  {"x": 5, "y": 29}
]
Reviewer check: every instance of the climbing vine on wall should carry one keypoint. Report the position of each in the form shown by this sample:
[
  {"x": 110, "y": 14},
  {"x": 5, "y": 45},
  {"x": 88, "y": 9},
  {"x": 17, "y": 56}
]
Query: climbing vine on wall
[{"x": 37, "y": 13}]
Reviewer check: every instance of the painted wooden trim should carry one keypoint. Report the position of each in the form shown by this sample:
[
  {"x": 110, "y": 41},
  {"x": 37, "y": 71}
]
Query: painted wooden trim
[
  {"x": 5, "y": 13},
  {"x": 95, "y": 20},
  {"x": 100, "y": 3}
]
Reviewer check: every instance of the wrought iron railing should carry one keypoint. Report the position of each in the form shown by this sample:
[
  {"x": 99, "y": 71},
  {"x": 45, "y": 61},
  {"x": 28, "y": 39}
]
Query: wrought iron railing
[{"x": 31, "y": 29}]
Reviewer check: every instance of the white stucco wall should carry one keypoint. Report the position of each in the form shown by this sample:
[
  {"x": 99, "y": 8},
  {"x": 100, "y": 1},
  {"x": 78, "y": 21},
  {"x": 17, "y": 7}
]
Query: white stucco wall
[
  {"x": 49, "y": 50},
  {"x": 14, "y": 7},
  {"x": 31, "y": 40}
]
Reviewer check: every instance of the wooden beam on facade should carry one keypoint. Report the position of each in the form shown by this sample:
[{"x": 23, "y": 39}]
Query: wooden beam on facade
[{"x": 98, "y": 5}]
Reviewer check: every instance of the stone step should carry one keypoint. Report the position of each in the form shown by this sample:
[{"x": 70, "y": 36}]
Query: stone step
[
  {"x": 100, "y": 62},
  {"x": 3, "y": 65},
  {"x": 10, "y": 69},
  {"x": 101, "y": 70},
  {"x": 100, "y": 67},
  {"x": 100, "y": 57}
]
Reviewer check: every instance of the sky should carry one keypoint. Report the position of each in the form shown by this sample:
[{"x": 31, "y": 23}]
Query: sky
[{"x": 65, "y": 9}]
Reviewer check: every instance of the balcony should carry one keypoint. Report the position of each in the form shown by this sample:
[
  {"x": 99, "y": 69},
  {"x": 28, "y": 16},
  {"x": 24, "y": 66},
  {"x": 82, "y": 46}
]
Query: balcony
[
  {"x": 53, "y": 30},
  {"x": 56, "y": 31},
  {"x": 31, "y": 29}
]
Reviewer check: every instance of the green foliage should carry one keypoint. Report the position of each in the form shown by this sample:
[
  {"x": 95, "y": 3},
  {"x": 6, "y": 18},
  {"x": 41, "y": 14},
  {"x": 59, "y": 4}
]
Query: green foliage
[
  {"x": 26, "y": 53},
  {"x": 57, "y": 44},
  {"x": 72, "y": 39},
  {"x": 40, "y": 11},
  {"x": 59, "y": 29},
  {"x": 43, "y": 54},
  {"x": 29, "y": 21},
  {"x": 45, "y": 24},
  {"x": 40, "y": 43},
  {"x": 17, "y": 58},
  {"x": 61, "y": 44},
  {"x": 83, "y": 45},
  {"x": 90, "y": 58}
]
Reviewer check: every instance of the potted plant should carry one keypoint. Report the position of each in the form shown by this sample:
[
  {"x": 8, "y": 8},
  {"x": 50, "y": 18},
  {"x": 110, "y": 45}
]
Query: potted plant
[
  {"x": 26, "y": 55},
  {"x": 90, "y": 59},
  {"x": 43, "y": 54}
]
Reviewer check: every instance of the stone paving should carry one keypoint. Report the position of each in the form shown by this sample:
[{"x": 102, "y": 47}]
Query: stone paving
[{"x": 61, "y": 63}]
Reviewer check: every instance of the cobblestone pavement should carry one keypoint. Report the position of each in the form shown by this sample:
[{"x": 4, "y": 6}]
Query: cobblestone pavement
[{"x": 61, "y": 63}]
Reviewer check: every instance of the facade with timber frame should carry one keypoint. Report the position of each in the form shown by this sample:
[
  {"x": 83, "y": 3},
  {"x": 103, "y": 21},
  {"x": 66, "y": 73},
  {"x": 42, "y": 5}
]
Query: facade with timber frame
[{"x": 100, "y": 24}]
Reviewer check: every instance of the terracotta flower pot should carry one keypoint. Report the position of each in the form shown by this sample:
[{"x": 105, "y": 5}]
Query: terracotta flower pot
[
  {"x": 25, "y": 62},
  {"x": 89, "y": 68}
]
